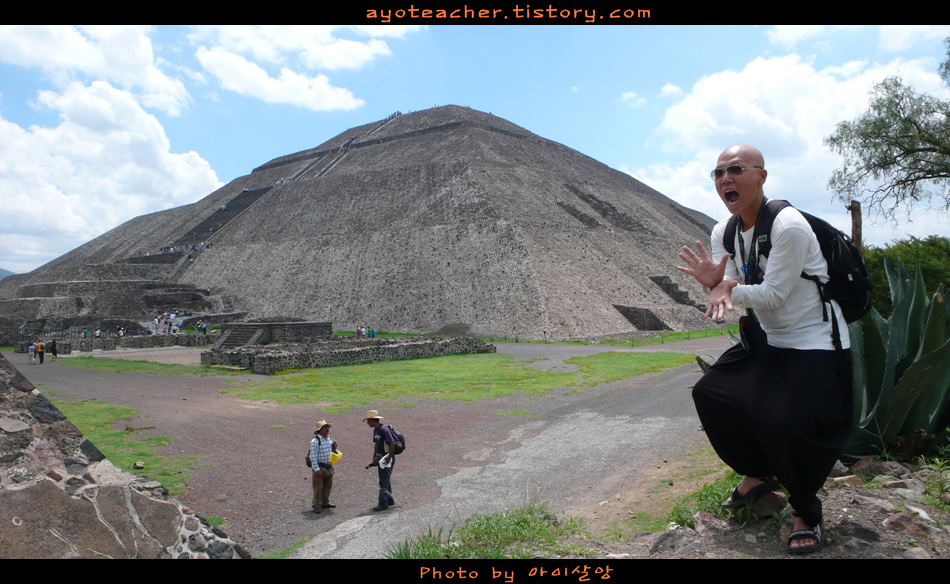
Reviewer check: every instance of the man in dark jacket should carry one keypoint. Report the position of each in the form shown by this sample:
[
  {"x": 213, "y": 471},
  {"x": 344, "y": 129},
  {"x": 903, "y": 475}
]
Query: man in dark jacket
[{"x": 383, "y": 458}]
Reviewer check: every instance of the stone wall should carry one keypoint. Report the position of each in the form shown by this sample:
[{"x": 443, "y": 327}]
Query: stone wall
[
  {"x": 61, "y": 498},
  {"x": 279, "y": 357},
  {"x": 65, "y": 347},
  {"x": 78, "y": 288}
]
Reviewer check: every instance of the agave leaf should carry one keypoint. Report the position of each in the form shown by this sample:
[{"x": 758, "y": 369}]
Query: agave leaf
[
  {"x": 932, "y": 412},
  {"x": 703, "y": 364},
  {"x": 935, "y": 327},
  {"x": 859, "y": 362},
  {"x": 872, "y": 401},
  {"x": 893, "y": 284},
  {"x": 901, "y": 366},
  {"x": 915, "y": 316},
  {"x": 903, "y": 274},
  {"x": 882, "y": 324},
  {"x": 924, "y": 387},
  {"x": 898, "y": 322},
  {"x": 868, "y": 360}
]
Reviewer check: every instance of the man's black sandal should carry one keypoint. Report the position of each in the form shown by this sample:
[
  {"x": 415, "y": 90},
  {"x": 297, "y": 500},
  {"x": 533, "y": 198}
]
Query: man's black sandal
[
  {"x": 737, "y": 500},
  {"x": 816, "y": 533}
]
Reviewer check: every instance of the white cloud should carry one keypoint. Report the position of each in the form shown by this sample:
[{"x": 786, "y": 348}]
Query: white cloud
[
  {"x": 632, "y": 99},
  {"x": 106, "y": 162},
  {"x": 670, "y": 90},
  {"x": 241, "y": 58},
  {"x": 237, "y": 74},
  {"x": 901, "y": 37},
  {"x": 122, "y": 55},
  {"x": 898, "y": 37},
  {"x": 790, "y": 34},
  {"x": 309, "y": 46},
  {"x": 785, "y": 107}
]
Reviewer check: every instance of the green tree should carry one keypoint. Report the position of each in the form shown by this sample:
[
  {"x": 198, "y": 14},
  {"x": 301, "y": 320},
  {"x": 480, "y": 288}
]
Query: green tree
[
  {"x": 932, "y": 254},
  {"x": 898, "y": 152}
]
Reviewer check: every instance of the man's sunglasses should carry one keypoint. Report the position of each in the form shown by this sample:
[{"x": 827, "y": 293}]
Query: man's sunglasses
[{"x": 733, "y": 170}]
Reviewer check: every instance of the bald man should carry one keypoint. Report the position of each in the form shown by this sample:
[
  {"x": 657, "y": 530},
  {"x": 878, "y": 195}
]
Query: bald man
[{"x": 777, "y": 407}]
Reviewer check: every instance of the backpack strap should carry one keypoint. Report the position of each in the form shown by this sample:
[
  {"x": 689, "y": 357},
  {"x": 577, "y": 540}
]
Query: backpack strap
[
  {"x": 763, "y": 227},
  {"x": 729, "y": 237}
]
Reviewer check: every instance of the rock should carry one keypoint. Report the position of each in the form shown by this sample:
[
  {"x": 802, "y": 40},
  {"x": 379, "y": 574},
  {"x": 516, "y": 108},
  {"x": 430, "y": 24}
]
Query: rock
[
  {"x": 906, "y": 523},
  {"x": 60, "y": 498},
  {"x": 882, "y": 467},
  {"x": 878, "y": 503},
  {"x": 910, "y": 488},
  {"x": 839, "y": 470},
  {"x": 11, "y": 426},
  {"x": 682, "y": 542},
  {"x": 847, "y": 479},
  {"x": 916, "y": 554}
]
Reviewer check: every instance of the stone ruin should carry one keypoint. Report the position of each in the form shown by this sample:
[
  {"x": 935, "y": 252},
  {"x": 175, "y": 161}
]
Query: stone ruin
[
  {"x": 267, "y": 348},
  {"x": 61, "y": 498},
  {"x": 67, "y": 346}
]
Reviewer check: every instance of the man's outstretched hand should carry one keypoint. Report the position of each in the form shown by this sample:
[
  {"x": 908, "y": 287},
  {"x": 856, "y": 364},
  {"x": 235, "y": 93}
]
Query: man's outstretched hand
[{"x": 702, "y": 267}]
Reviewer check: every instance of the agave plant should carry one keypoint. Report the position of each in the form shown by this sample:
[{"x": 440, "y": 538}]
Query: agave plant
[{"x": 901, "y": 369}]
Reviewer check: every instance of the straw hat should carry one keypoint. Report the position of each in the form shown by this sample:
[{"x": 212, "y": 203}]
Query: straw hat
[
  {"x": 372, "y": 414},
  {"x": 321, "y": 424}
]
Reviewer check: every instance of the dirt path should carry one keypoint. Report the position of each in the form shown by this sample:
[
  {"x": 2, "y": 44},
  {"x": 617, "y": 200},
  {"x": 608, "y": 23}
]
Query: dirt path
[{"x": 585, "y": 453}]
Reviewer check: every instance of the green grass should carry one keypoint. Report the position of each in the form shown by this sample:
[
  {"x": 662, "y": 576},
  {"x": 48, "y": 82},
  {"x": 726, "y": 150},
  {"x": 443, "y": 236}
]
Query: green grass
[
  {"x": 518, "y": 413},
  {"x": 123, "y": 447},
  {"x": 110, "y": 365},
  {"x": 281, "y": 554},
  {"x": 632, "y": 342},
  {"x": 614, "y": 366},
  {"x": 465, "y": 378},
  {"x": 528, "y": 532},
  {"x": 708, "y": 498},
  {"x": 674, "y": 337}
]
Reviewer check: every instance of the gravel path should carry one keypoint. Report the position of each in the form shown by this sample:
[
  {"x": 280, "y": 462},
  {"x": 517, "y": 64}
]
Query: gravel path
[{"x": 573, "y": 451}]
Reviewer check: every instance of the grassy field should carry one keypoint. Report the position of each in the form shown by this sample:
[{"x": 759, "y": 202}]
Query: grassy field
[
  {"x": 464, "y": 378},
  {"x": 110, "y": 365}
]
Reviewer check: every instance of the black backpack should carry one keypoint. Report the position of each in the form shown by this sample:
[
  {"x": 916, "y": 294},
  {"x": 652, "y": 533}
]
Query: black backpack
[
  {"x": 848, "y": 282},
  {"x": 399, "y": 440}
]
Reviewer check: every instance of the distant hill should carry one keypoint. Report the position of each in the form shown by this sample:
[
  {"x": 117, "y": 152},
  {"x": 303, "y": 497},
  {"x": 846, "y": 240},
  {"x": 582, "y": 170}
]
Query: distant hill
[{"x": 5, "y": 273}]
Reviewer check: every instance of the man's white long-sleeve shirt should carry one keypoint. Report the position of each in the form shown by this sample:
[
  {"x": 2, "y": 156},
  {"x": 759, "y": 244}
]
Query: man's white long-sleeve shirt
[{"x": 787, "y": 306}]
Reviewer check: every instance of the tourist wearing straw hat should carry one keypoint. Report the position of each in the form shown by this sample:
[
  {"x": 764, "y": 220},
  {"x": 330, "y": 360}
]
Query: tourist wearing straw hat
[
  {"x": 383, "y": 458},
  {"x": 321, "y": 448}
]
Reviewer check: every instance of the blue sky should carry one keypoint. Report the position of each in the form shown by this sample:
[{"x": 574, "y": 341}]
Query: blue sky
[{"x": 102, "y": 124}]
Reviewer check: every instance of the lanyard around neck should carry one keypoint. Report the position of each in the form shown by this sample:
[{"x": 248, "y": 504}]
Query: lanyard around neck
[{"x": 750, "y": 268}]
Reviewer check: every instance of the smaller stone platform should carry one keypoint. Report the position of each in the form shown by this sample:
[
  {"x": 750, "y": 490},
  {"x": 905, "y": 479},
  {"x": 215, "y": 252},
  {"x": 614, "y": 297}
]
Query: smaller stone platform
[{"x": 267, "y": 359}]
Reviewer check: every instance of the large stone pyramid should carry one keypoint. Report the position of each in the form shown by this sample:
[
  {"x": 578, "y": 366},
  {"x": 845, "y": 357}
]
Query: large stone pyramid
[{"x": 447, "y": 219}]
